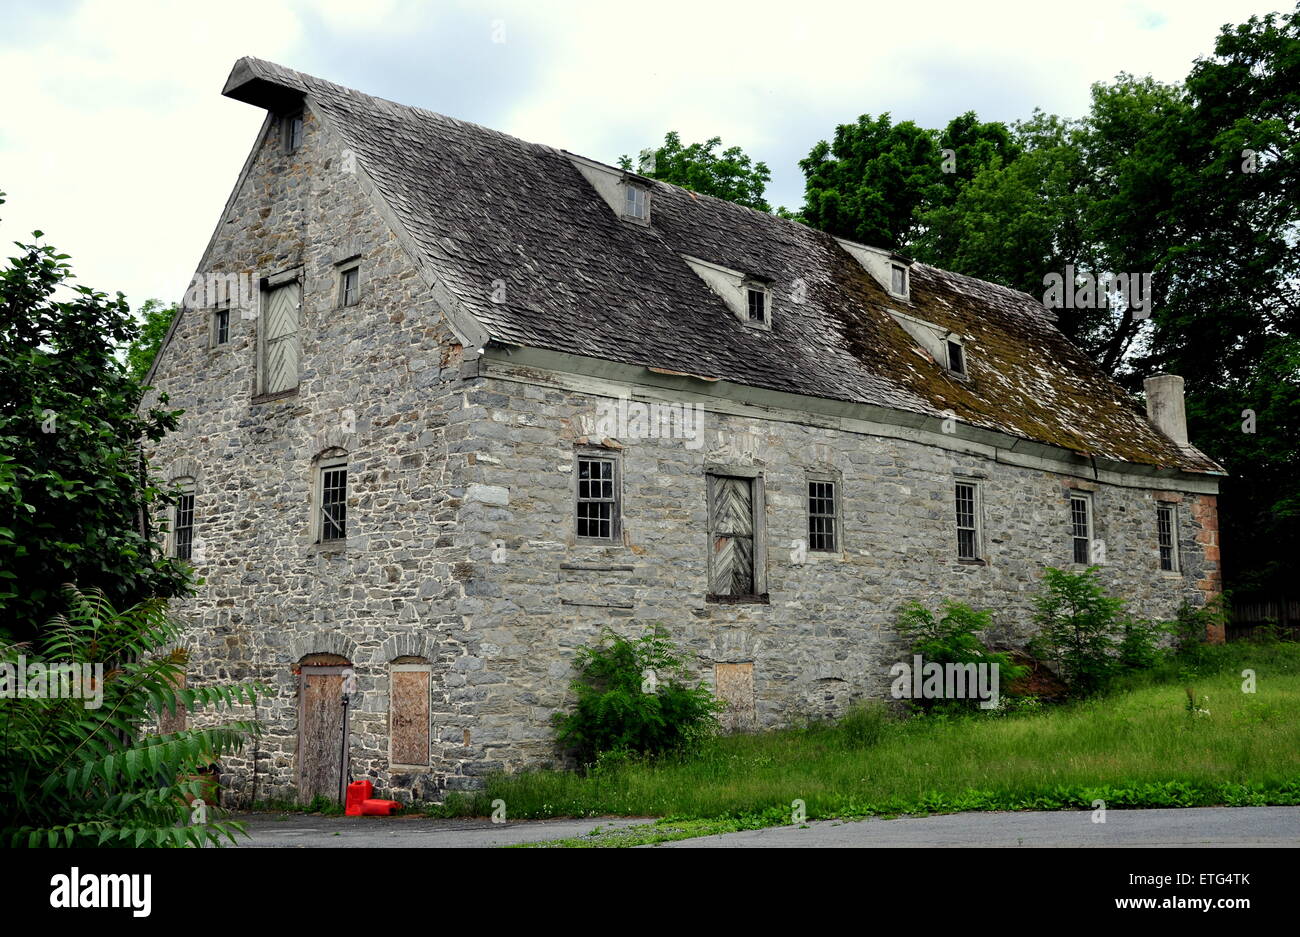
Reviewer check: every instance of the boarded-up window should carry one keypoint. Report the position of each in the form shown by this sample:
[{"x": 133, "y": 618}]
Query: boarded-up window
[
  {"x": 735, "y": 689},
  {"x": 408, "y": 714},
  {"x": 280, "y": 339},
  {"x": 731, "y": 529}
]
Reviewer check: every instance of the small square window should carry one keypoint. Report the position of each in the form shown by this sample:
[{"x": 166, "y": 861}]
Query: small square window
[
  {"x": 956, "y": 357},
  {"x": 292, "y": 129},
  {"x": 898, "y": 280},
  {"x": 757, "y": 305},
  {"x": 637, "y": 204},
  {"x": 350, "y": 288}
]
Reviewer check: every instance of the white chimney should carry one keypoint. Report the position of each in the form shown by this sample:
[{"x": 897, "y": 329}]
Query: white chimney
[{"x": 1165, "y": 406}]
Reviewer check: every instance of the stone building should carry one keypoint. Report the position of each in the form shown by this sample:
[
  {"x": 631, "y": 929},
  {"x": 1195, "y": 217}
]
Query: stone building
[{"x": 455, "y": 402}]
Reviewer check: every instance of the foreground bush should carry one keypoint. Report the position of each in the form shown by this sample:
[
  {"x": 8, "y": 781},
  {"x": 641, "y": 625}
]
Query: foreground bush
[
  {"x": 953, "y": 638},
  {"x": 78, "y": 776},
  {"x": 633, "y": 698}
]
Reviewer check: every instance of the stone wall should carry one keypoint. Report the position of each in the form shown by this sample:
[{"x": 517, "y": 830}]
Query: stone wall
[{"x": 461, "y": 548}]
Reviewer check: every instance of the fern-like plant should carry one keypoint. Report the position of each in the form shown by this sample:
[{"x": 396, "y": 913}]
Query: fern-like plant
[{"x": 74, "y": 775}]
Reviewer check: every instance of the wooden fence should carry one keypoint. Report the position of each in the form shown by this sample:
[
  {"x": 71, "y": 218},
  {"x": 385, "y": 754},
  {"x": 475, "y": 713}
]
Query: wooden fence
[{"x": 1249, "y": 614}]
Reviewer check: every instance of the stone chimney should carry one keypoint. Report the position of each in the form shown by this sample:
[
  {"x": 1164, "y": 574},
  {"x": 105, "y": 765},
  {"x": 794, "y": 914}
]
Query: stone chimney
[{"x": 1165, "y": 406}]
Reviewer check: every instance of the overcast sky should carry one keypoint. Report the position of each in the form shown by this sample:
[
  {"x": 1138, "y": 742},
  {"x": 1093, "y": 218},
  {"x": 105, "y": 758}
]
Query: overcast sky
[{"x": 116, "y": 142}]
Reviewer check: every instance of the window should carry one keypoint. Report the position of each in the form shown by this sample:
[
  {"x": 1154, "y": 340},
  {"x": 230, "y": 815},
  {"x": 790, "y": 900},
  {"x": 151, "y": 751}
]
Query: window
[
  {"x": 221, "y": 326},
  {"x": 757, "y": 304},
  {"x": 350, "y": 287},
  {"x": 1081, "y": 527},
  {"x": 279, "y": 340},
  {"x": 637, "y": 202},
  {"x": 292, "y": 128},
  {"x": 183, "y": 522},
  {"x": 822, "y": 514},
  {"x": 333, "y": 501},
  {"x": 1166, "y": 532},
  {"x": 968, "y": 515},
  {"x": 735, "y": 538},
  {"x": 956, "y": 357},
  {"x": 898, "y": 280},
  {"x": 597, "y": 499}
]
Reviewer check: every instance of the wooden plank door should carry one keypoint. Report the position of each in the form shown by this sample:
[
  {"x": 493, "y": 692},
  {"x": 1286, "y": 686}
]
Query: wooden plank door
[
  {"x": 280, "y": 351},
  {"x": 731, "y": 505},
  {"x": 321, "y": 732}
]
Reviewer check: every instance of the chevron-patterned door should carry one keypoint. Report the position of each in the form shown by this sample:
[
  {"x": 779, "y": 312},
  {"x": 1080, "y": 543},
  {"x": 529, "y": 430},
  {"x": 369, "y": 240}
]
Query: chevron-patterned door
[
  {"x": 281, "y": 342},
  {"x": 731, "y": 502}
]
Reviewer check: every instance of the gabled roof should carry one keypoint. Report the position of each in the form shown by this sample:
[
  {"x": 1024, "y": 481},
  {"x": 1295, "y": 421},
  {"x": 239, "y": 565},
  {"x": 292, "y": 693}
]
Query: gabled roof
[{"x": 482, "y": 206}]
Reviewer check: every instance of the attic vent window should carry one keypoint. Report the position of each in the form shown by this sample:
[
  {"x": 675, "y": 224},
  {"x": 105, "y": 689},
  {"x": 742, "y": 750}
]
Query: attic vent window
[
  {"x": 637, "y": 203},
  {"x": 292, "y": 128},
  {"x": 898, "y": 280},
  {"x": 956, "y": 357},
  {"x": 757, "y": 304}
]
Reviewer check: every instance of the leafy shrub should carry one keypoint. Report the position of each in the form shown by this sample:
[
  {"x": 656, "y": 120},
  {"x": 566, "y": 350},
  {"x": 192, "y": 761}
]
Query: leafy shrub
[
  {"x": 953, "y": 638},
  {"x": 633, "y": 697},
  {"x": 1192, "y": 623},
  {"x": 1139, "y": 646},
  {"x": 1077, "y": 622},
  {"x": 78, "y": 776}
]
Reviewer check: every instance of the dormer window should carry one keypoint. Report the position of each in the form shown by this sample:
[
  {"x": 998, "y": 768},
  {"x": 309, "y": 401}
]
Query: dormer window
[
  {"x": 757, "y": 300},
  {"x": 956, "y": 356},
  {"x": 898, "y": 280},
  {"x": 637, "y": 202}
]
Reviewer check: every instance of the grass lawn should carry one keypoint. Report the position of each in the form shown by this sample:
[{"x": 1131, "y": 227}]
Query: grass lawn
[{"x": 1137, "y": 746}]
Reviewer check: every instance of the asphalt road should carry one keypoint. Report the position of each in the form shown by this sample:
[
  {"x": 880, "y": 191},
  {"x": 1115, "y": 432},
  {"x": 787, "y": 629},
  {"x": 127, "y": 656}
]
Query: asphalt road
[
  {"x": 1197, "y": 826},
  {"x": 1201, "y": 826}
]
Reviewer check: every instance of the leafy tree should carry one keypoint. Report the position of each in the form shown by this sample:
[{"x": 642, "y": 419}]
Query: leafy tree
[
  {"x": 731, "y": 174},
  {"x": 877, "y": 182},
  {"x": 156, "y": 319},
  {"x": 78, "y": 775},
  {"x": 633, "y": 698},
  {"x": 1077, "y": 624},
  {"x": 74, "y": 491},
  {"x": 954, "y": 638}
]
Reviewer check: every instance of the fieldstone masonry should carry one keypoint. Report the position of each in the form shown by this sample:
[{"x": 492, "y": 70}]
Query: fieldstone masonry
[{"x": 461, "y": 548}]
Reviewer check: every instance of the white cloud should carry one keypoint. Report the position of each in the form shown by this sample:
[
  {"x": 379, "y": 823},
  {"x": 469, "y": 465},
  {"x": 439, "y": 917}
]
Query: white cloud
[{"x": 115, "y": 139}]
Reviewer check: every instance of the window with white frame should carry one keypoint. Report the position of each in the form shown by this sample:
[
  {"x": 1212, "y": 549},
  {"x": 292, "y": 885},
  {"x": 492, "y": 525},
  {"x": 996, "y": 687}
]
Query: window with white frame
[
  {"x": 183, "y": 521},
  {"x": 1167, "y": 535},
  {"x": 898, "y": 279},
  {"x": 967, "y": 499},
  {"x": 332, "y": 499},
  {"x": 756, "y": 297},
  {"x": 597, "y": 498},
  {"x": 956, "y": 356},
  {"x": 1081, "y": 528},
  {"x": 636, "y": 202},
  {"x": 823, "y": 516}
]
